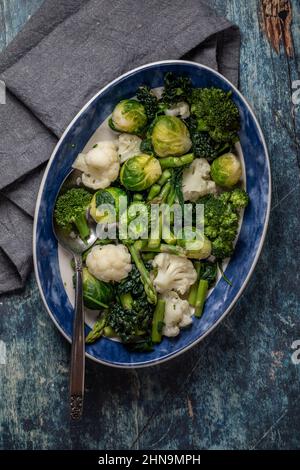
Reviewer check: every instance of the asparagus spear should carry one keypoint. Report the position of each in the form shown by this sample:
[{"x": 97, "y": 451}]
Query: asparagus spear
[
  {"x": 135, "y": 249},
  {"x": 97, "y": 330},
  {"x": 175, "y": 162},
  {"x": 157, "y": 322},
  {"x": 201, "y": 297},
  {"x": 193, "y": 290},
  {"x": 166, "y": 175},
  {"x": 154, "y": 191},
  {"x": 165, "y": 248}
]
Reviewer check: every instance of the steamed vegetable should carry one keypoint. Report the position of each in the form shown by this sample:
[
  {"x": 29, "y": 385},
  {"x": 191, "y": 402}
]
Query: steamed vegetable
[
  {"x": 135, "y": 251},
  {"x": 140, "y": 172},
  {"x": 176, "y": 162},
  {"x": 170, "y": 136},
  {"x": 226, "y": 170},
  {"x": 216, "y": 113},
  {"x": 173, "y": 273},
  {"x": 100, "y": 165},
  {"x": 158, "y": 321},
  {"x": 221, "y": 219},
  {"x": 129, "y": 116},
  {"x": 238, "y": 198},
  {"x": 130, "y": 320},
  {"x": 196, "y": 181},
  {"x": 98, "y": 329},
  {"x": 96, "y": 294},
  {"x": 180, "y": 109},
  {"x": 174, "y": 146},
  {"x": 129, "y": 146},
  {"x": 178, "y": 314},
  {"x": 207, "y": 275},
  {"x": 195, "y": 243},
  {"x": 134, "y": 222},
  {"x": 149, "y": 101},
  {"x": 70, "y": 211},
  {"x": 176, "y": 89},
  {"x": 109, "y": 199},
  {"x": 203, "y": 145},
  {"x": 109, "y": 262}
]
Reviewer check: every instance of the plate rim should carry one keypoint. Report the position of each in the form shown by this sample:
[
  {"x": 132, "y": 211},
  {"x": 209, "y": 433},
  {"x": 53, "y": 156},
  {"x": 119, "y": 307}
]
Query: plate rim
[{"x": 259, "y": 249}]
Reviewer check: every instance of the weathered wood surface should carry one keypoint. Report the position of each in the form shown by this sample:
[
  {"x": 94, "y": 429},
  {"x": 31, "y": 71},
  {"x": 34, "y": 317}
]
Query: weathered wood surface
[{"x": 237, "y": 389}]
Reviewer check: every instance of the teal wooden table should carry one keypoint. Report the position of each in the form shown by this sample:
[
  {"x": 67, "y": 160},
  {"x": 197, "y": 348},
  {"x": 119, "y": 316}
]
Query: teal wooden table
[{"x": 239, "y": 388}]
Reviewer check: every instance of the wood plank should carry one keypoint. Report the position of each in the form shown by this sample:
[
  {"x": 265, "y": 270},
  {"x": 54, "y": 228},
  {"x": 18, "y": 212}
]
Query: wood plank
[{"x": 13, "y": 16}]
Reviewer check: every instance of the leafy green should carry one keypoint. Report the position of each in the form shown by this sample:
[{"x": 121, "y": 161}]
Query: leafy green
[
  {"x": 208, "y": 272},
  {"x": 129, "y": 323},
  {"x": 176, "y": 88},
  {"x": 203, "y": 145},
  {"x": 132, "y": 283},
  {"x": 149, "y": 100},
  {"x": 146, "y": 146}
]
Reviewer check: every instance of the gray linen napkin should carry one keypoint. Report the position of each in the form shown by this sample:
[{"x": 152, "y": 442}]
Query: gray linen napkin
[{"x": 67, "y": 51}]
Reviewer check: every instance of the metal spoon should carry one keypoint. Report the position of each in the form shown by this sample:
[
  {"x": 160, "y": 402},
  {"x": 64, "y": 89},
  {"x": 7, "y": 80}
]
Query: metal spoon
[{"x": 76, "y": 247}]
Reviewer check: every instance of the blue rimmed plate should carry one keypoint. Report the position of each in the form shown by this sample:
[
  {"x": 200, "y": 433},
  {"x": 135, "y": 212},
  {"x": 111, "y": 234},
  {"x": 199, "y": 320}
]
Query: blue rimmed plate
[{"x": 47, "y": 259}]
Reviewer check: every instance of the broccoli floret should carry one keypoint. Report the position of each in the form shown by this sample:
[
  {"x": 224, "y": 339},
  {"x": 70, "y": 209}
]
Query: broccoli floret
[
  {"x": 203, "y": 145},
  {"x": 221, "y": 219},
  {"x": 70, "y": 211},
  {"x": 239, "y": 198},
  {"x": 149, "y": 100},
  {"x": 216, "y": 114},
  {"x": 176, "y": 88},
  {"x": 222, "y": 248}
]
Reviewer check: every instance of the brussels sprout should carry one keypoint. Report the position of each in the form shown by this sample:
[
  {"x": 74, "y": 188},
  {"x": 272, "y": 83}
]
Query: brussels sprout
[
  {"x": 129, "y": 116},
  {"x": 226, "y": 170},
  {"x": 196, "y": 244},
  {"x": 96, "y": 294},
  {"x": 136, "y": 219},
  {"x": 109, "y": 196},
  {"x": 140, "y": 172},
  {"x": 170, "y": 136}
]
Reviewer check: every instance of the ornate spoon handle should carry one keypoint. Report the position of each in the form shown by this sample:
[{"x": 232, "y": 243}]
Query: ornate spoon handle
[{"x": 78, "y": 348}]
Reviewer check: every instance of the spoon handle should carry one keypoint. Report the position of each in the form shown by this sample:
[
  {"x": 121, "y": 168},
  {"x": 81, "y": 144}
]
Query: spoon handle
[{"x": 78, "y": 347}]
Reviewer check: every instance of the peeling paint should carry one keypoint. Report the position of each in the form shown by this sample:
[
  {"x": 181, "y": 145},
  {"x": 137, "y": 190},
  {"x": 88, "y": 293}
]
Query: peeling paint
[{"x": 276, "y": 23}]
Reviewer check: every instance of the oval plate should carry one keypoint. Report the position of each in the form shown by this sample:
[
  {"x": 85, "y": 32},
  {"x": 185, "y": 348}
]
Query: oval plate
[{"x": 251, "y": 236}]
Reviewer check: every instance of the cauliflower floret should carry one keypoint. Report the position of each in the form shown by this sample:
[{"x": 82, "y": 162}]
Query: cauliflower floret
[
  {"x": 173, "y": 273},
  {"x": 181, "y": 109},
  {"x": 178, "y": 314},
  {"x": 129, "y": 146},
  {"x": 100, "y": 165},
  {"x": 196, "y": 180},
  {"x": 109, "y": 262}
]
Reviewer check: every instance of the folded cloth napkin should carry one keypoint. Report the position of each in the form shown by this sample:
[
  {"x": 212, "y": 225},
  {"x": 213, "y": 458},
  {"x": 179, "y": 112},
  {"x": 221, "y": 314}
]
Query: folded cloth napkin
[{"x": 66, "y": 52}]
